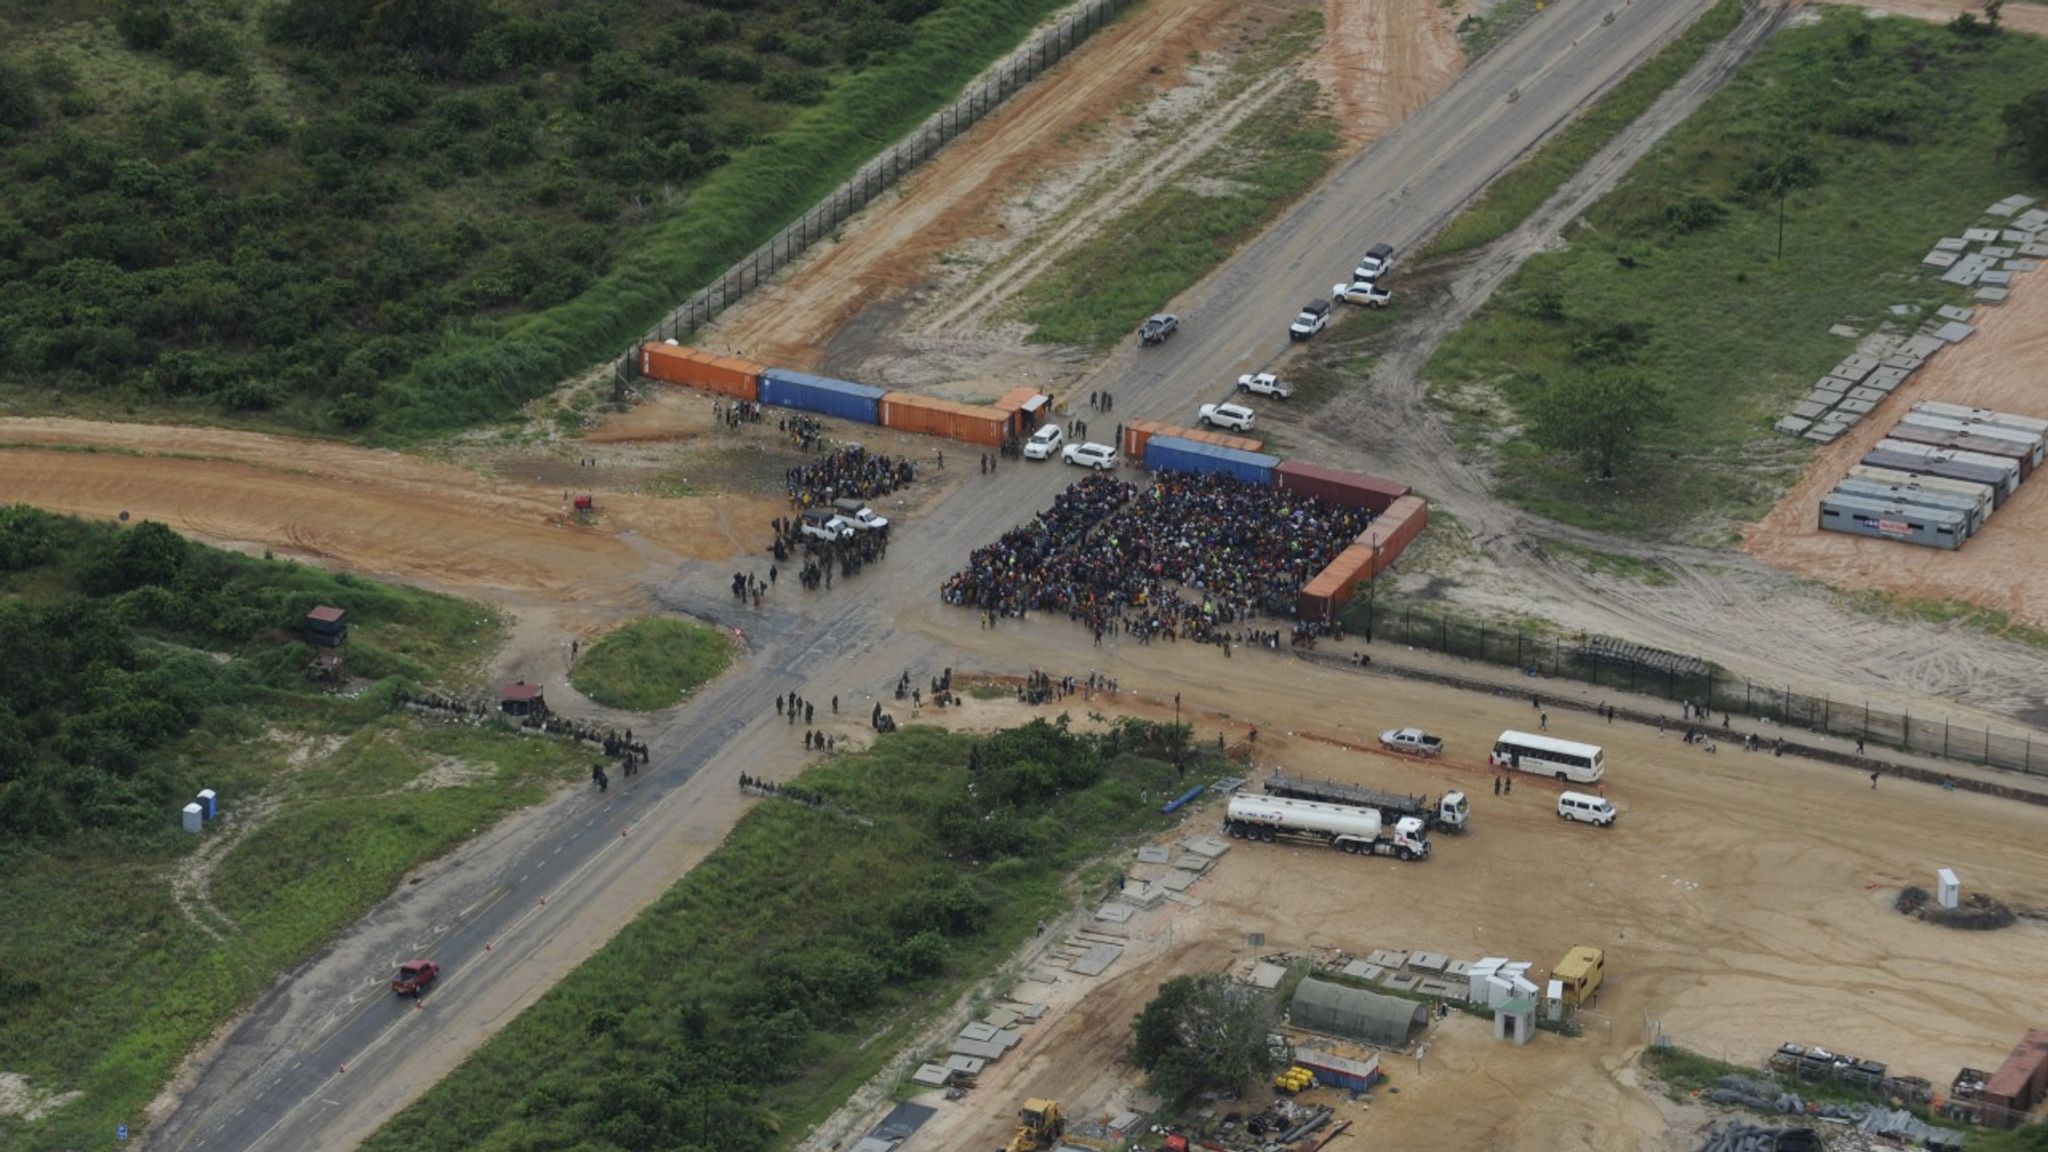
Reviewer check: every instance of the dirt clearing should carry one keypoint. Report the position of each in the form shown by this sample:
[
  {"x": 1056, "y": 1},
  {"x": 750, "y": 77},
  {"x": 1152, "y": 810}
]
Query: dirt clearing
[
  {"x": 2001, "y": 367},
  {"x": 2018, "y": 17},
  {"x": 1743, "y": 900},
  {"x": 372, "y": 511}
]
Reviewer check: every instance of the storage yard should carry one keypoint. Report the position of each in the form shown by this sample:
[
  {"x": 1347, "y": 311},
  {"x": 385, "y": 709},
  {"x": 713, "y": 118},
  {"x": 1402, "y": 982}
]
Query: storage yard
[{"x": 1740, "y": 904}]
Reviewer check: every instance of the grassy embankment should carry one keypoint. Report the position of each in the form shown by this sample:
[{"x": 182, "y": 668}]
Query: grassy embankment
[
  {"x": 652, "y": 664},
  {"x": 488, "y": 369},
  {"x": 1520, "y": 190},
  {"x": 193, "y": 677},
  {"x": 1098, "y": 292},
  {"x": 1891, "y": 126},
  {"x": 786, "y": 969}
]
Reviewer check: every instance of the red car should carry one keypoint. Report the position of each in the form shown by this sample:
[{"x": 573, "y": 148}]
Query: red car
[{"x": 414, "y": 976}]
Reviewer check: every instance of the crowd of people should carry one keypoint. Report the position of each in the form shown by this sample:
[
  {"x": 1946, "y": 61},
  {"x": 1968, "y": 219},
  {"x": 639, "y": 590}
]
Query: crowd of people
[
  {"x": 1184, "y": 559},
  {"x": 733, "y": 413},
  {"x": 848, "y": 472}
]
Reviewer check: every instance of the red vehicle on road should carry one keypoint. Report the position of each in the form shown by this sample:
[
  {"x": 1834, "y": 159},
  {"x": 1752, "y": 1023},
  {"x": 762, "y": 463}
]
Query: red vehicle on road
[{"x": 414, "y": 976}]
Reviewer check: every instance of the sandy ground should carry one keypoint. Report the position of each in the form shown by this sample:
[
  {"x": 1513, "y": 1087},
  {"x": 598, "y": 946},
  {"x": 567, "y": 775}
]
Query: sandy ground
[
  {"x": 1743, "y": 902},
  {"x": 1383, "y": 59},
  {"x": 378, "y": 512},
  {"x": 2021, "y": 17},
  {"x": 2001, "y": 367}
]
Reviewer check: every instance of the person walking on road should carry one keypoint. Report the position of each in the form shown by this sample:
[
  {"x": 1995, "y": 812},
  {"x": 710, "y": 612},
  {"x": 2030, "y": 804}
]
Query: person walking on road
[
  {"x": 1543, "y": 722},
  {"x": 1873, "y": 781},
  {"x": 1496, "y": 785}
]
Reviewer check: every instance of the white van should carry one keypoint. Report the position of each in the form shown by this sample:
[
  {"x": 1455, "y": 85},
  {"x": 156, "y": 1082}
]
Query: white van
[
  {"x": 1044, "y": 442},
  {"x": 1585, "y": 808}
]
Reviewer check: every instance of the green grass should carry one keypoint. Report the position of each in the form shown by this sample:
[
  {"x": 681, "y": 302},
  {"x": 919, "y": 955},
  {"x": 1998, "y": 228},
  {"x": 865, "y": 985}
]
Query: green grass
[
  {"x": 1476, "y": 33},
  {"x": 1989, "y": 621},
  {"x": 1520, "y": 190},
  {"x": 1732, "y": 333},
  {"x": 1097, "y": 293},
  {"x": 1611, "y": 563},
  {"x": 1683, "y": 1072},
  {"x": 652, "y": 664},
  {"x": 105, "y": 982},
  {"x": 769, "y": 983}
]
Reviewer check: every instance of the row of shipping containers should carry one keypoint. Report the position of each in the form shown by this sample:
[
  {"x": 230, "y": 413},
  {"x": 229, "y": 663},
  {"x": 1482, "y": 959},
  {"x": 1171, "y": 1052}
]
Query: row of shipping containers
[
  {"x": 1139, "y": 433},
  {"x": 1375, "y": 550},
  {"x": 1937, "y": 475},
  {"x": 696, "y": 368}
]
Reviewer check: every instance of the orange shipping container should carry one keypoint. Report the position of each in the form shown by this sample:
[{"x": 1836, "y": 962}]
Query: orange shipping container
[
  {"x": 1138, "y": 432},
  {"x": 696, "y": 368},
  {"x": 1334, "y": 586},
  {"x": 1396, "y": 528},
  {"x": 930, "y": 416}
]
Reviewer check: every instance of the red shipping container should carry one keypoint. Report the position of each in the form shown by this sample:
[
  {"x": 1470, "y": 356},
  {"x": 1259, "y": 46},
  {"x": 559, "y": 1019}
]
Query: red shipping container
[
  {"x": 1350, "y": 489},
  {"x": 931, "y": 416},
  {"x": 696, "y": 368},
  {"x": 1138, "y": 432},
  {"x": 2019, "y": 1082}
]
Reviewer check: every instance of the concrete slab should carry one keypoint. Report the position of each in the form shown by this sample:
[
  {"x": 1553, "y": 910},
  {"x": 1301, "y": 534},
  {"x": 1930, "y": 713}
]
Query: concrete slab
[
  {"x": 1029, "y": 1013},
  {"x": 1824, "y": 433},
  {"x": 1939, "y": 259},
  {"x": 978, "y": 1031},
  {"x": 1428, "y": 961},
  {"x": 1176, "y": 882},
  {"x": 1845, "y": 419},
  {"x": 1140, "y": 894},
  {"x": 1385, "y": 959},
  {"x": 1401, "y": 982},
  {"x": 2015, "y": 236},
  {"x": 1208, "y": 846},
  {"x": 1994, "y": 278},
  {"x": 1000, "y": 1018},
  {"x": 1883, "y": 385},
  {"x": 1867, "y": 395},
  {"x": 1854, "y": 407},
  {"x": 1886, "y": 373},
  {"x": 1833, "y": 384},
  {"x": 1805, "y": 410},
  {"x": 1980, "y": 235},
  {"x": 1096, "y": 959},
  {"x": 1152, "y": 854},
  {"x": 1824, "y": 399},
  {"x": 965, "y": 1065},
  {"x": 1183, "y": 900},
  {"x": 1954, "y": 312},
  {"x": 1997, "y": 251},
  {"x": 2035, "y": 251},
  {"x": 931, "y": 1076},
  {"x": 1962, "y": 274},
  {"x": 1266, "y": 975},
  {"x": 1951, "y": 244},
  {"x": 1458, "y": 968},
  {"x": 1793, "y": 425},
  {"x": 1008, "y": 1038},
  {"x": 980, "y": 1049},
  {"x": 1955, "y": 332},
  {"x": 1844, "y": 331},
  {"x": 1922, "y": 346},
  {"x": 2002, "y": 209},
  {"x": 1852, "y": 372},
  {"x": 2020, "y": 265},
  {"x": 1858, "y": 361},
  {"x": 1435, "y": 988},
  {"x": 1991, "y": 295},
  {"x": 1361, "y": 970},
  {"x": 1115, "y": 913}
]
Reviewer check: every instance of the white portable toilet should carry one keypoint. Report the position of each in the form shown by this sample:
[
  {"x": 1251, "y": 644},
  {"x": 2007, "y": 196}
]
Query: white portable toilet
[
  {"x": 209, "y": 802},
  {"x": 1524, "y": 988},
  {"x": 1553, "y": 1001},
  {"x": 1948, "y": 890},
  {"x": 195, "y": 818}
]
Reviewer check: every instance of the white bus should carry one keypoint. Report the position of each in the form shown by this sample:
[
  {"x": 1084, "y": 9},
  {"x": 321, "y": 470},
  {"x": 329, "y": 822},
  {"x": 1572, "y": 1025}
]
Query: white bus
[{"x": 1542, "y": 756}]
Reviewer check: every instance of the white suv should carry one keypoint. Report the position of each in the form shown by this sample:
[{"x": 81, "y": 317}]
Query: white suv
[
  {"x": 1227, "y": 416},
  {"x": 1044, "y": 442},
  {"x": 1096, "y": 456}
]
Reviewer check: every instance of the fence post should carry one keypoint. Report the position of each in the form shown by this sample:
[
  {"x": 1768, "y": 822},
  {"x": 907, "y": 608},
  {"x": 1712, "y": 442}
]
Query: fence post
[
  {"x": 1748, "y": 706},
  {"x": 1827, "y": 712},
  {"x": 1519, "y": 662},
  {"x": 1987, "y": 747}
]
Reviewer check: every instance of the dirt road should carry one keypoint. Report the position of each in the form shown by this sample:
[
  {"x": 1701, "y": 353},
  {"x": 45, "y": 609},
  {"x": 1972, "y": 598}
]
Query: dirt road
[
  {"x": 1743, "y": 901},
  {"x": 377, "y": 512},
  {"x": 2023, "y": 17},
  {"x": 2001, "y": 367}
]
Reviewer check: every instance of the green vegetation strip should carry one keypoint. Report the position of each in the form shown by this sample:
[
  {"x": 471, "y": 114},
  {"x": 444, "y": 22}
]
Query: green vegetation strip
[
  {"x": 1149, "y": 253},
  {"x": 1519, "y": 191},
  {"x": 142, "y": 668},
  {"x": 488, "y": 370},
  {"x": 651, "y": 664},
  {"x": 1887, "y": 135},
  {"x": 797, "y": 959}
]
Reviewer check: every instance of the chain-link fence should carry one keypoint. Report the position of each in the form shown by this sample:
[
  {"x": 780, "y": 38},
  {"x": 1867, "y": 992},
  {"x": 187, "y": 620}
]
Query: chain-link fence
[
  {"x": 1675, "y": 676},
  {"x": 1041, "y": 52}
]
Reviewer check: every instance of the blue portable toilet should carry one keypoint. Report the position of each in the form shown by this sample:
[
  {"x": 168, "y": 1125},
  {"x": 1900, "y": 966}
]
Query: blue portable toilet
[{"x": 209, "y": 802}]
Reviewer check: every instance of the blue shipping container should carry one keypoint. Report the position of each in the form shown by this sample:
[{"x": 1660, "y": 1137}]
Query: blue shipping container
[
  {"x": 783, "y": 388},
  {"x": 1173, "y": 454}
]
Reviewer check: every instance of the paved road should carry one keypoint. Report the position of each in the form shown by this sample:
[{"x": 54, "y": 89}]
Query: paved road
[{"x": 323, "y": 1060}]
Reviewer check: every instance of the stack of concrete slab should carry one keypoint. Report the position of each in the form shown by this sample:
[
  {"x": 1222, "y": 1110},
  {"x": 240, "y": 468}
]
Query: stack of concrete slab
[
  {"x": 1096, "y": 959},
  {"x": 1985, "y": 259}
]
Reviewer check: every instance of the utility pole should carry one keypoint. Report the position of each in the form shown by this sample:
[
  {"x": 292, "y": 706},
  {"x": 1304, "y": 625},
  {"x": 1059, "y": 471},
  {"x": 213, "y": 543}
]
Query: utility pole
[{"x": 1178, "y": 741}]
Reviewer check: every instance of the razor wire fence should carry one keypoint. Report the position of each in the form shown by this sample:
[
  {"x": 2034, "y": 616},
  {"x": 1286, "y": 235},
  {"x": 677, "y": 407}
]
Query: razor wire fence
[
  {"x": 1045, "y": 49},
  {"x": 1674, "y": 676}
]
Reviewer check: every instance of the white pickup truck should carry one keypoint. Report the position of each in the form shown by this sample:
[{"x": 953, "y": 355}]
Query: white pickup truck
[
  {"x": 1412, "y": 740},
  {"x": 825, "y": 524},
  {"x": 862, "y": 517},
  {"x": 1265, "y": 384}
]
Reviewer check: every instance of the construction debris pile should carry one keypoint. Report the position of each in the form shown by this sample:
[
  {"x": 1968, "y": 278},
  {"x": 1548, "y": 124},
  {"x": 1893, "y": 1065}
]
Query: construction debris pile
[
  {"x": 1283, "y": 1125},
  {"x": 1872, "y": 1118},
  {"x": 1978, "y": 912},
  {"x": 1750, "y": 1138}
]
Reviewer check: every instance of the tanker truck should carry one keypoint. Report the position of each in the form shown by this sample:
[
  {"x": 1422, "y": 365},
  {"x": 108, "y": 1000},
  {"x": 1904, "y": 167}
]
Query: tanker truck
[
  {"x": 1359, "y": 831},
  {"x": 1451, "y": 814}
]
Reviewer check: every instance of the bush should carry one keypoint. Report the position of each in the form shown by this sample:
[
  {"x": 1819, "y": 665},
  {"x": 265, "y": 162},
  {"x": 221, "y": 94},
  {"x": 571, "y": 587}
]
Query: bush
[
  {"x": 144, "y": 25},
  {"x": 19, "y": 107},
  {"x": 802, "y": 87}
]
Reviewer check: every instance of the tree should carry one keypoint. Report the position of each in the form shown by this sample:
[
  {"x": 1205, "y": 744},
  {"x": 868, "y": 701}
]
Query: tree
[
  {"x": 1203, "y": 1032},
  {"x": 1600, "y": 417},
  {"x": 2026, "y": 133}
]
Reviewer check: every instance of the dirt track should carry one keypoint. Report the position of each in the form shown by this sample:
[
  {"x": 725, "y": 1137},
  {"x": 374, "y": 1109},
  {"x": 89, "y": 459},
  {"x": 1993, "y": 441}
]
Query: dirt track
[
  {"x": 377, "y": 512},
  {"x": 2001, "y": 367},
  {"x": 2022, "y": 17},
  {"x": 1743, "y": 901}
]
